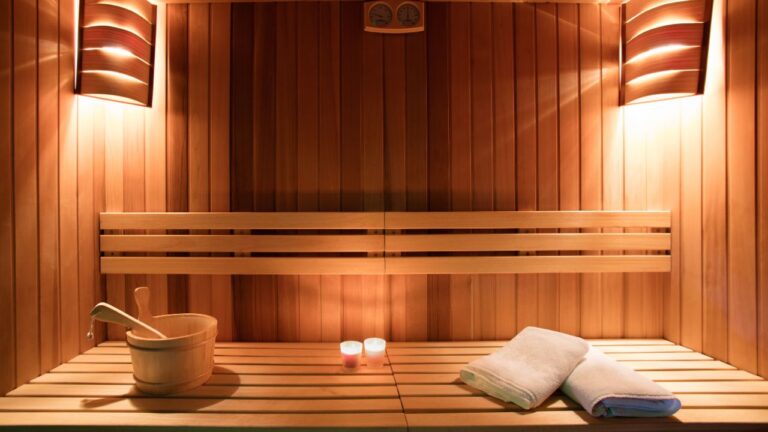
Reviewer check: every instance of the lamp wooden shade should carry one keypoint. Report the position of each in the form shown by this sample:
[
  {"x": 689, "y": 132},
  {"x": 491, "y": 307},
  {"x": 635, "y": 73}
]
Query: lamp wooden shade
[
  {"x": 116, "y": 50},
  {"x": 665, "y": 48}
]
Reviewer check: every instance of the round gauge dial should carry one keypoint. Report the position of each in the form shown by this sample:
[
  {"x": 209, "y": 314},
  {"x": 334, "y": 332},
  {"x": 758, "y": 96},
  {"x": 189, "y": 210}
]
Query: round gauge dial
[
  {"x": 380, "y": 15},
  {"x": 408, "y": 14}
]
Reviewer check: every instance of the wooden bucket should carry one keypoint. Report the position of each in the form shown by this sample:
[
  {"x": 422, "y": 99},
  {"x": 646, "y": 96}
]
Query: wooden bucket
[{"x": 181, "y": 362}]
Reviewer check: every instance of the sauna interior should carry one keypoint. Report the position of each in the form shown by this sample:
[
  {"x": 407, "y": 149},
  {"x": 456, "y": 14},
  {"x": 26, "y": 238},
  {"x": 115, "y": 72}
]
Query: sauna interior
[{"x": 312, "y": 172}]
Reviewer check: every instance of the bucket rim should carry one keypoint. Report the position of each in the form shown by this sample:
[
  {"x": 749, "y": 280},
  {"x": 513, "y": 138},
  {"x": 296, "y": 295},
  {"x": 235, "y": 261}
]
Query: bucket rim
[{"x": 211, "y": 330}]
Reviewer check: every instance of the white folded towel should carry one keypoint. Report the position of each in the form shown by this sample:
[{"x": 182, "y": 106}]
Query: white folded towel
[
  {"x": 606, "y": 388},
  {"x": 528, "y": 369}
]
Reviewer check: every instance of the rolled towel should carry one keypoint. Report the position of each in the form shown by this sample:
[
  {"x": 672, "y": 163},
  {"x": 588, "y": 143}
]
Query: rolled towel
[
  {"x": 606, "y": 388},
  {"x": 529, "y": 368}
]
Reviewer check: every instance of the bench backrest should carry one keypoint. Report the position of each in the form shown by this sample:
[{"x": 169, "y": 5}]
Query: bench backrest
[{"x": 386, "y": 242}]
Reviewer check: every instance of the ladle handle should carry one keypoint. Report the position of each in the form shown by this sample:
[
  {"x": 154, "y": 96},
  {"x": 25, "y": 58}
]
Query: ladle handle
[
  {"x": 108, "y": 313},
  {"x": 141, "y": 295}
]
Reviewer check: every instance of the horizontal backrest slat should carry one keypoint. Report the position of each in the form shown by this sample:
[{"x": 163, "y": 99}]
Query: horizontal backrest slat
[
  {"x": 528, "y": 264},
  {"x": 244, "y": 221},
  {"x": 386, "y": 242},
  {"x": 243, "y": 243},
  {"x": 527, "y": 219},
  {"x": 241, "y": 265},
  {"x": 527, "y": 242}
]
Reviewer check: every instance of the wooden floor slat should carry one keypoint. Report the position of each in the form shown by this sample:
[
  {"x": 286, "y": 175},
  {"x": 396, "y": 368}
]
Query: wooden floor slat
[
  {"x": 225, "y": 379},
  {"x": 182, "y": 421},
  {"x": 297, "y": 386},
  {"x": 211, "y": 391},
  {"x": 117, "y": 404}
]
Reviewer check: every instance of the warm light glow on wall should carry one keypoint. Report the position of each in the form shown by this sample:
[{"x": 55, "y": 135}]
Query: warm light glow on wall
[
  {"x": 665, "y": 48},
  {"x": 116, "y": 47}
]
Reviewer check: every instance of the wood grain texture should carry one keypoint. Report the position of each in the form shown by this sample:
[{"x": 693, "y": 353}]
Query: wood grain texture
[
  {"x": 741, "y": 176},
  {"x": 762, "y": 181},
  {"x": 441, "y": 82},
  {"x": 7, "y": 282},
  {"x": 25, "y": 190}
]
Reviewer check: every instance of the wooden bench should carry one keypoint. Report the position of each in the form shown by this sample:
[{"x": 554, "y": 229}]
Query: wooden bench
[
  {"x": 302, "y": 386},
  {"x": 386, "y": 242},
  {"x": 298, "y": 386}
]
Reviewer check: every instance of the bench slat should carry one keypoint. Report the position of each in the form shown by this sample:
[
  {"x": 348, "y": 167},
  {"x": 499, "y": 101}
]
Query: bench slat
[
  {"x": 114, "y": 404},
  {"x": 224, "y": 379},
  {"x": 242, "y": 243},
  {"x": 528, "y": 264},
  {"x": 526, "y": 242},
  {"x": 207, "y": 391},
  {"x": 243, "y": 221},
  {"x": 182, "y": 421},
  {"x": 241, "y": 265},
  {"x": 527, "y": 219}
]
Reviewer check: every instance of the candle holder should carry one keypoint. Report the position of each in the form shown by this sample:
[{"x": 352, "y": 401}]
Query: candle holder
[
  {"x": 375, "y": 350},
  {"x": 351, "y": 352}
]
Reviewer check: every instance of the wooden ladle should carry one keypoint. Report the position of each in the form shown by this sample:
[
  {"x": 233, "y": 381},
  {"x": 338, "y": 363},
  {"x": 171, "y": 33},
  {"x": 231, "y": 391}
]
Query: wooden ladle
[{"x": 108, "y": 313}]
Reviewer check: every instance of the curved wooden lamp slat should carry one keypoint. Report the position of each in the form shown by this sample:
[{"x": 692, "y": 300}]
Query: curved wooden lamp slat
[
  {"x": 141, "y": 7},
  {"x": 676, "y": 83},
  {"x": 686, "y": 58},
  {"x": 103, "y": 85},
  {"x": 637, "y": 7},
  {"x": 116, "y": 16},
  {"x": 105, "y": 61},
  {"x": 679, "y": 12},
  {"x": 687, "y": 34},
  {"x": 104, "y": 36}
]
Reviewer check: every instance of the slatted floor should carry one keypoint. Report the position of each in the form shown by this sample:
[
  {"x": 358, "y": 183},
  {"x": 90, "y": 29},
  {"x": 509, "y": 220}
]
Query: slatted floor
[{"x": 300, "y": 386}]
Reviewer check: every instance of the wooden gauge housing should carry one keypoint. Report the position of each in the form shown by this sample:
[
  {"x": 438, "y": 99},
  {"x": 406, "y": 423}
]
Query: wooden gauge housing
[{"x": 393, "y": 16}]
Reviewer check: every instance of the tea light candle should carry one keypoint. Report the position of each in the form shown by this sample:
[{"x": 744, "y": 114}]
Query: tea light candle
[
  {"x": 374, "y": 352},
  {"x": 351, "y": 351}
]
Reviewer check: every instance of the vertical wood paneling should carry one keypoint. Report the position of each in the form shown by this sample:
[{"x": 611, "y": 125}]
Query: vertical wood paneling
[
  {"x": 351, "y": 151},
  {"x": 714, "y": 253},
  {"x": 591, "y": 152},
  {"x": 310, "y": 307},
  {"x": 461, "y": 154},
  {"x": 199, "y": 294},
  {"x": 612, "y": 284},
  {"x": 481, "y": 60},
  {"x": 374, "y": 292},
  {"x": 114, "y": 200},
  {"x": 177, "y": 129},
  {"x": 546, "y": 151},
  {"x": 740, "y": 155},
  {"x": 329, "y": 183},
  {"x": 25, "y": 193},
  {"x": 395, "y": 159},
  {"x": 133, "y": 184},
  {"x": 48, "y": 175},
  {"x": 85, "y": 218},
  {"x": 568, "y": 151},
  {"x": 762, "y": 186},
  {"x": 286, "y": 144},
  {"x": 690, "y": 230},
  {"x": 416, "y": 169},
  {"x": 155, "y": 164},
  {"x": 496, "y": 106},
  {"x": 525, "y": 169},
  {"x": 220, "y": 24},
  {"x": 439, "y": 154},
  {"x": 504, "y": 151},
  {"x": 635, "y": 198},
  {"x": 68, "y": 226},
  {"x": 7, "y": 281}
]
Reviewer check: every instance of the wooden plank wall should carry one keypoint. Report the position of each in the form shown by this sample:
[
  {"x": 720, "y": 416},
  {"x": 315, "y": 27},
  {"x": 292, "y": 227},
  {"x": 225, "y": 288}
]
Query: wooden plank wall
[
  {"x": 466, "y": 116},
  {"x": 496, "y": 106},
  {"x": 718, "y": 298}
]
